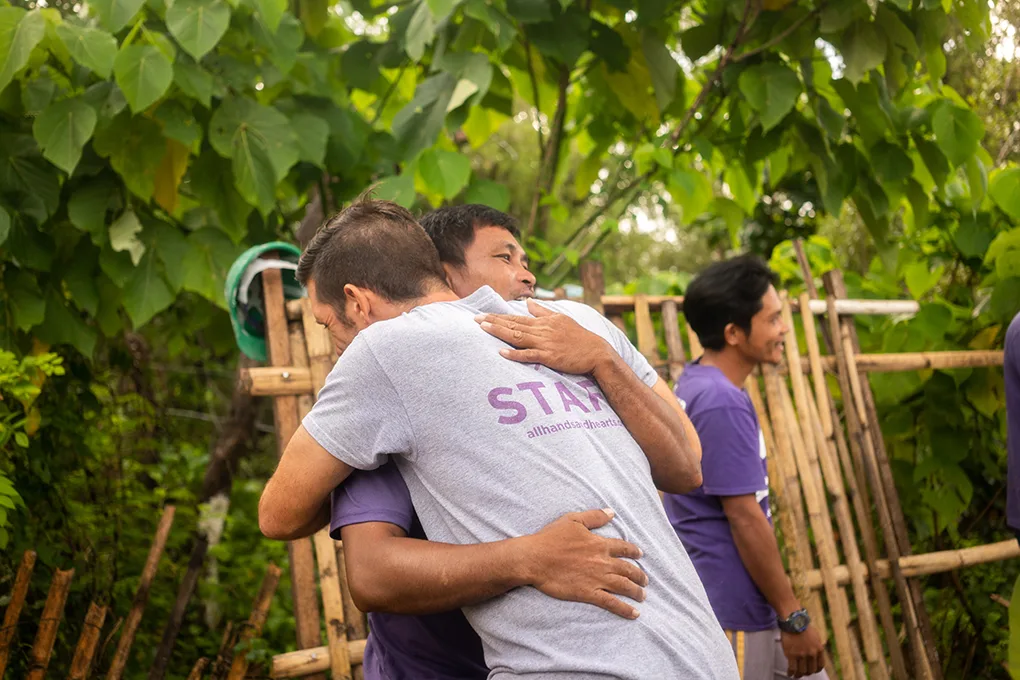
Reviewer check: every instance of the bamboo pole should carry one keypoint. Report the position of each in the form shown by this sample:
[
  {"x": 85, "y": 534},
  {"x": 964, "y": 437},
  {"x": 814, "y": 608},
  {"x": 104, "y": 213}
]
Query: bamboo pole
[
  {"x": 134, "y": 617},
  {"x": 805, "y": 449},
  {"x": 674, "y": 343},
  {"x": 198, "y": 669},
  {"x": 790, "y": 502},
  {"x": 646, "y": 342},
  {"x": 859, "y": 430},
  {"x": 593, "y": 284},
  {"x": 21, "y": 583},
  {"x": 255, "y": 621},
  {"x": 81, "y": 664},
  {"x": 932, "y": 563},
  {"x": 357, "y": 626},
  {"x": 285, "y": 415},
  {"x": 332, "y": 603},
  {"x": 53, "y": 610},
  {"x": 307, "y": 661}
]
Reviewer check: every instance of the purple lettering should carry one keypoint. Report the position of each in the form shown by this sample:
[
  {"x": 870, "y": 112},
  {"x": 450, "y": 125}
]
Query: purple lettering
[
  {"x": 494, "y": 400},
  {"x": 536, "y": 389},
  {"x": 594, "y": 395},
  {"x": 569, "y": 399}
]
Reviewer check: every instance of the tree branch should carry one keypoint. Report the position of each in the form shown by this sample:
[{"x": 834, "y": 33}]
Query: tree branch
[
  {"x": 551, "y": 159},
  {"x": 534, "y": 92},
  {"x": 389, "y": 92}
]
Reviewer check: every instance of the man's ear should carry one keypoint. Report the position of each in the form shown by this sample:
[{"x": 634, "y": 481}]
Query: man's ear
[
  {"x": 359, "y": 304},
  {"x": 449, "y": 269},
  {"x": 733, "y": 334}
]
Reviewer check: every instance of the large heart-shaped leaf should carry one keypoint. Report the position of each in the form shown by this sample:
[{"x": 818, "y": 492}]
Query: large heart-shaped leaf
[
  {"x": 445, "y": 172},
  {"x": 194, "y": 81},
  {"x": 198, "y": 24},
  {"x": 147, "y": 292},
  {"x": 271, "y": 11},
  {"x": 312, "y": 137},
  {"x": 957, "y": 132},
  {"x": 864, "y": 47},
  {"x": 144, "y": 74},
  {"x": 135, "y": 146},
  {"x": 92, "y": 48},
  {"x": 62, "y": 131},
  {"x": 20, "y": 32},
  {"x": 772, "y": 89},
  {"x": 1005, "y": 191},
  {"x": 116, "y": 14}
]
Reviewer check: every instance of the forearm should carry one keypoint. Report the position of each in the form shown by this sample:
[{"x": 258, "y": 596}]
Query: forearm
[
  {"x": 756, "y": 544},
  {"x": 658, "y": 428},
  {"x": 411, "y": 576},
  {"x": 319, "y": 521}
]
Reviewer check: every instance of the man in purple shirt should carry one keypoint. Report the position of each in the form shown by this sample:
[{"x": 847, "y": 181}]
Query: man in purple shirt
[
  {"x": 410, "y": 587},
  {"x": 726, "y": 525},
  {"x": 1011, "y": 372}
]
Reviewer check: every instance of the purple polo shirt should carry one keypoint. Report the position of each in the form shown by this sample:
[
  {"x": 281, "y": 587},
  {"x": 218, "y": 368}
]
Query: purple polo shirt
[
  {"x": 400, "y": 647},
  {"x": 732, "y": 464},
  {"x": 1011, "y": 373}
]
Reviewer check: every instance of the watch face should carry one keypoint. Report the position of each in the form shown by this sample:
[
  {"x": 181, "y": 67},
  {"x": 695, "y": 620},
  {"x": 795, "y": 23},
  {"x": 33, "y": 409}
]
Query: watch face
[{"x": 799, "y": 622}]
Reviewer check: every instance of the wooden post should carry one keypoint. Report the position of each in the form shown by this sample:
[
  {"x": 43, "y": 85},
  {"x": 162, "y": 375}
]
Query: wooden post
[
  {"x": 258, "y": 617},
  {"x": 833, "y": 281},
  {"x": 593, "y": 283},
  {"x": 134, "y": 617},
  {"x": 307, "y": 661},
  {"x": 198, "y": 669},
  {"x": 332, "y": 603},
  {"x": 674, "y": 343},
  {"x": 854, "y": 408},
  {"x": 21, "y": 582},
  {"x": 86, "y": 649},
  {"x": 285, "y": 416},
  {"x": 357, "y": 626},
  {"x": 805, "y": 450},
  {"x": 646, "y": 342},
  {"x": 827, "y": 455},
  {"x": 48, "y": 624}
]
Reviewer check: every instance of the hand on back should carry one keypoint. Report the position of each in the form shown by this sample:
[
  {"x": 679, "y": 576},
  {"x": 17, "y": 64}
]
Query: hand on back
[{"x": 569, "y": 562}]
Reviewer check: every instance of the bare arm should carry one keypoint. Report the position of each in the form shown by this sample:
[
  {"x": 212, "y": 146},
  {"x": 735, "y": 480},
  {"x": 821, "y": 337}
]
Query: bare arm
[
  {"x": 294, "y": 503},
  {"x": 652, "y": 416},
  {"x": 389, "y": 572},
  {"x": 756, "y": 544}
]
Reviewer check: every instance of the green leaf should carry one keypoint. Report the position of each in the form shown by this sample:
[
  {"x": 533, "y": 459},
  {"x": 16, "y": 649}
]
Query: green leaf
[
  {"x": 701, "y": 39},
  {"x": 487, "y": 192},
  {"x": 890, "y": 162},
  {"x": 314, "y": 15},
  {"x": 529, "y": 11},
  {"x": 934, "y": 160},
  {"x": 1005, "y": 191},
  {"x": 836, "y": 16},
  {"x": 399, "y": 189},
  {"x": 495, "y": 21},
  {"x": 171, "y": 247},
  {"x": 194, "y": 81},
  {"x": 213, "y": 185},
  {"x": 92, "y": 48},
  {"x": 271, "y": 11},
  {"x": 283, "y": 46},
  {"x": 920, "y": 279},
  {"x": 146, "y": 294},
  {"x": 445, "y": 172},
  {"x": 662, "y": 68},
  {"x": 62, "y": 131},
  {"x": 863, "y": 49},
  {"x": 918, "y": 204},
  {"x": 28, "y": 307},
  {"x": 143, "y": 74},
  {"x": 210, "y": 254},
  {"x": 972, "y": 237},
  {"x": 977, "y": 181},
  {"x": 64, "y": 326},
  {"x": 935, "y": 59},
  {"x": 957, "y": 132},
  {"x": 692, "y": 191},
  {"x": 897, "y": 32},
  {"x": 80, "y": 277},
  {"x": 116, "y": 14},
  {"x": 261, "y": 144},
  {"x": 20, "y": 32},
  {"x": 1005, "y": 301},
  {"x": 135, "y": 147},
  {"x": 564, "y": 39},
  {"x": 421, "y": 31},
  {"x": 108, "y": 316},
  {"x": 198, "y": 25},
  {"x": 417, "y": 125},
  {"x": 312, "y": 137},
  {"x": 772, "y": 90},
  {"x": 124, "y": 236},
  {"x": 87, "y": 209},
  {"x": 5, "y": 225},
  {"x": 178, "y": 123}
]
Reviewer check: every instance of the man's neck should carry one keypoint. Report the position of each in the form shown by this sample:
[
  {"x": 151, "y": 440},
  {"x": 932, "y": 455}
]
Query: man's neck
[{"x": 733, "y": 365}]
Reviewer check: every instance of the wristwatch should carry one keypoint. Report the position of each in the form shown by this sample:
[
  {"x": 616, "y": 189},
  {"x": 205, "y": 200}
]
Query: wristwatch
[{"x": 797, "y": 622}]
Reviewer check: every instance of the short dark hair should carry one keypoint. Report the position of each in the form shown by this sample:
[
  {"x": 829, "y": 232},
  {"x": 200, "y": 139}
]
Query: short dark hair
[
  {"x": 371, "y": 244},
  {"x": 724, "y": 293},
  {"x": 452, "y": 228}
]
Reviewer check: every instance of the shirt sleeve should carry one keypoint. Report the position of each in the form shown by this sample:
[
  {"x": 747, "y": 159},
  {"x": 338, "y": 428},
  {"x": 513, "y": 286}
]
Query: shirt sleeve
[
  {"x": 731, "y": 460},
  {"x": 358, "y": 416},
  {"x": 378, "y": 495}
]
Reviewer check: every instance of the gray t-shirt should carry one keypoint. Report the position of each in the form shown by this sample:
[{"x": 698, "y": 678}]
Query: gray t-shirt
[{"x": 492, "y": 449}]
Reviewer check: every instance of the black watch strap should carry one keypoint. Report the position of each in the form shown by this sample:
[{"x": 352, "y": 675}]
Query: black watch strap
[{"x": 797, "y": 622}]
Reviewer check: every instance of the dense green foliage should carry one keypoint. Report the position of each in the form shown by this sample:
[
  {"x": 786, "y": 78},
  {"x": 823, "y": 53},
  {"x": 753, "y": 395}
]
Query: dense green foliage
[{"x": 145, "y": 143}]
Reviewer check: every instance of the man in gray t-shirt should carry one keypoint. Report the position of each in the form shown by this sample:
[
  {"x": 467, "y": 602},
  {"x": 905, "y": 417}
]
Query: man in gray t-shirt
[{"x": 492, "y": 449}]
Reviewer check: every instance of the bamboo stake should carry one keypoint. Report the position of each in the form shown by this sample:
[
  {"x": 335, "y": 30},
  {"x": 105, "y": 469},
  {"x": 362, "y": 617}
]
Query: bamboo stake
[
  {"x": 258, "y": 617},
  {"x": 134, "y": 617},
  {"x": 332, "y": 603},
  {"x": 593, "y": 283},
  {"x": 646, "y": 341},
  {"x": 791, "y": 503},
  {"x": 21, "y": 582},
  {"x": 357, "y": 626},
  {"x": 858, "y": 430},
  {"x": 81, "y": 664},
  {"x": 198, "y": 669},
  {"x": 307, "y": 661},
  {"x": 932, "y": 563},
  {"x": 805, "y": 450},
  {"x": 285, "y": 415},
  {"x": 751, "y": 387},
  {"x": 674, "y": 343},
  {"x": 48, "y": 624}
]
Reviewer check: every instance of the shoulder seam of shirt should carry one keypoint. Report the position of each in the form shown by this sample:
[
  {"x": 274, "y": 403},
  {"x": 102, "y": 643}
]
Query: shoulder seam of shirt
[{"x": 393, "y": 386}]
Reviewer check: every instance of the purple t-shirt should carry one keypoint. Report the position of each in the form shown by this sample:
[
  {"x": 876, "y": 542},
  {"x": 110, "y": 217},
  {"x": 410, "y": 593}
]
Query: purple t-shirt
[
  {"x": 732, "y": 464},
  {"x": 400, "y": 647},
  {"x": 1011, "y": 371}
]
